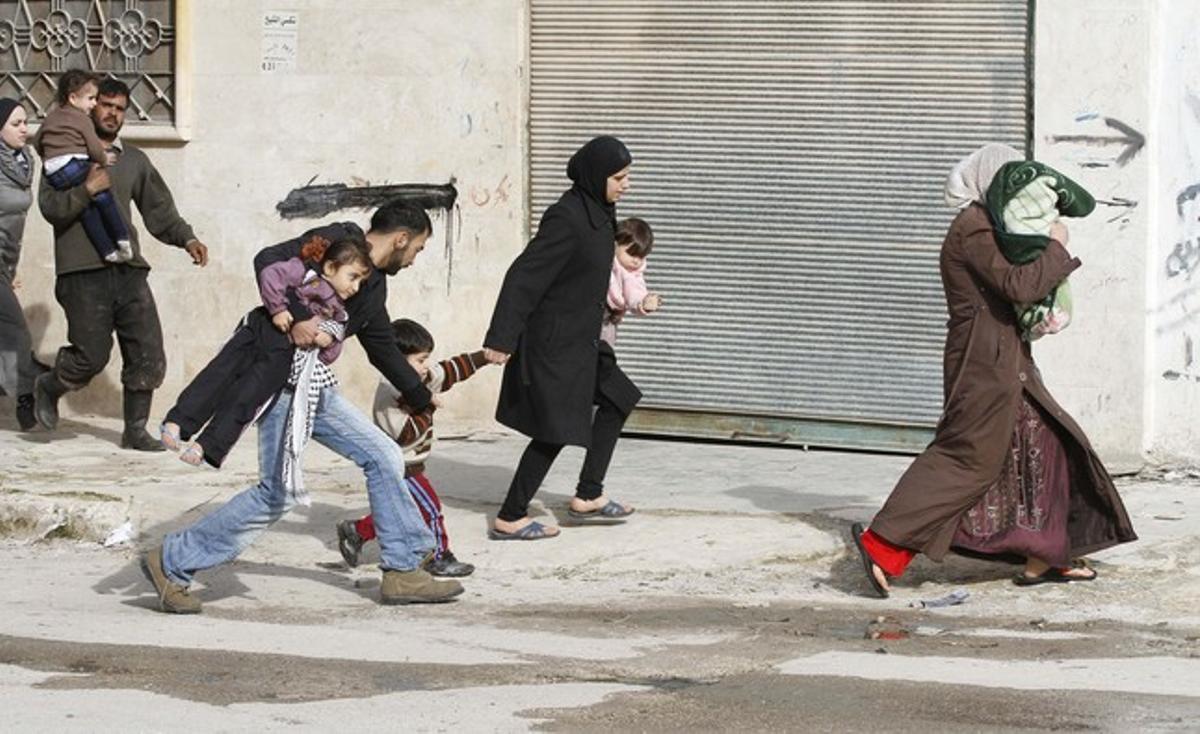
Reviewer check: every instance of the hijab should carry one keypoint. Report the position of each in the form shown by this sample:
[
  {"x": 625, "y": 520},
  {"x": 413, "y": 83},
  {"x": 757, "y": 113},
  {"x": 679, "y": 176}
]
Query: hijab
[
  {"x": 591, "y": 166},
  {"x": 970, "y": 178},
  {"x": 7, "y": 106}
]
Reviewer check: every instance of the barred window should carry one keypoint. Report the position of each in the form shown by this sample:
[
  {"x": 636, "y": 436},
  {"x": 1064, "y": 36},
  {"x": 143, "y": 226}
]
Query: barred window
[{"x": 130, "y": 40}]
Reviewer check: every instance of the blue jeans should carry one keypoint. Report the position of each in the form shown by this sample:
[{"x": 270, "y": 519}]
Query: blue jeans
[
  {"x": 101, "y": 219},
  {"x": 404, "y": 539}
]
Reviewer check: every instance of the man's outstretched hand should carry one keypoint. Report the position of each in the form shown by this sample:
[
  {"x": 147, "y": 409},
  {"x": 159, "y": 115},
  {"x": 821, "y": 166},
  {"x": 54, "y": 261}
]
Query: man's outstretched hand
[{"x": 199, "y": 252}]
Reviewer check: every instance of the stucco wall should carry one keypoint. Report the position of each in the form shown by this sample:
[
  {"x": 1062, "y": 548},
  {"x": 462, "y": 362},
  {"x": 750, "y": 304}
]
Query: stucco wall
[
  {"x": 1093, "y": 74},
  {"x": 408, "y": 92},
  {"x": 382, "y": 92},
  {"x": 1174, "y": 247}
]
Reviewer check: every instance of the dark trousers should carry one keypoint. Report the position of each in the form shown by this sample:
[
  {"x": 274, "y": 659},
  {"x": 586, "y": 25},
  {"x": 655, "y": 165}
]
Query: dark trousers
[
  {"x": 226, "y": 395},
  {"x": 97, "y": 303},
  {"x": 16, "y": 359},
  {"x": 539, "y": 456},
  {"x": 102, "y": 218}
]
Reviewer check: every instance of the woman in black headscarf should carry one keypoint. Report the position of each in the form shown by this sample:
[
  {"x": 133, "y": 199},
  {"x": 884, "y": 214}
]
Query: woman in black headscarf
[
  {"x": 546, "y": 328},
  {"x": 17, "y": 366}
]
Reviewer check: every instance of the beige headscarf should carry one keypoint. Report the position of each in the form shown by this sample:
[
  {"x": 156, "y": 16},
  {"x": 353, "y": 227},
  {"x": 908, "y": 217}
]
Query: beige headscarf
[{"x": 969, "y": 180}]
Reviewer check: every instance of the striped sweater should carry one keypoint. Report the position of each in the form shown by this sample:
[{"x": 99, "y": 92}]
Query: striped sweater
[{"x": 414, "y": 431}]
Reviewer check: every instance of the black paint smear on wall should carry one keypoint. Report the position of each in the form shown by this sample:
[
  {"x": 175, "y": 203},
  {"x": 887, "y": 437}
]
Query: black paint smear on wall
[{"x": 319, "y": 200}]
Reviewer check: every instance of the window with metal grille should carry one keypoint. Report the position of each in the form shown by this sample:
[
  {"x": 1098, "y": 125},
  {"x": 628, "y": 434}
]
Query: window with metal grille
[{"x": 130, "y": 40}]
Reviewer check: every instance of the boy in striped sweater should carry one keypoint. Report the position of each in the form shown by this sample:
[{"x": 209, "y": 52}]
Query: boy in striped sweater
[{"x": 414, "y": 433}]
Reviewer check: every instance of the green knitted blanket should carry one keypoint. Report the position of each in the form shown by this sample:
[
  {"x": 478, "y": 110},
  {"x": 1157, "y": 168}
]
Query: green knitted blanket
[{"x": 1024, "y": 200}]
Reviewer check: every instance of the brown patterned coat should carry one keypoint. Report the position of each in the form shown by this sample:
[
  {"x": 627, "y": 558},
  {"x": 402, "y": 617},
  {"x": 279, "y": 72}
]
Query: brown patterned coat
[{"x": 986, "y": 367}]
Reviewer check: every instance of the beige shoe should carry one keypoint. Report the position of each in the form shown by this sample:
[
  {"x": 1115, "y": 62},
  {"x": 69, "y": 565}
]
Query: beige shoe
[
  {"x": 416, "y": 587},
  {"x": 171, "y": 596}
]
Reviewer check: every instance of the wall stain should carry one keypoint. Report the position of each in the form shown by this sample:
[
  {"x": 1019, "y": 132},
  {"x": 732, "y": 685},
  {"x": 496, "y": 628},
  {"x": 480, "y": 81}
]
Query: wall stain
[{"x": 314, "y": 201}]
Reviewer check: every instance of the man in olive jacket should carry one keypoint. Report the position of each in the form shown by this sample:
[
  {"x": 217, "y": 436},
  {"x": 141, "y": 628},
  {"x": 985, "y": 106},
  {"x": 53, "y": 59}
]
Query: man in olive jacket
[{"x": 100, "y": 298}]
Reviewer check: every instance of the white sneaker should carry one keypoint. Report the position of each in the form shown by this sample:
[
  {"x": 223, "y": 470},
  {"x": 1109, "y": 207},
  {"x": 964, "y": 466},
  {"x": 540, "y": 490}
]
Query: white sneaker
[{"x": 124, "y": 250}]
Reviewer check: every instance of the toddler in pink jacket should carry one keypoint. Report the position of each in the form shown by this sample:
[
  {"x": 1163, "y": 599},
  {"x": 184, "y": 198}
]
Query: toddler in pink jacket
[{"x": 627, "y": 292}]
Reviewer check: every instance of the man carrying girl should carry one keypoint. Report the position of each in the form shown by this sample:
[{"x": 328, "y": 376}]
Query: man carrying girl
[{"x": 397, "y": 235}]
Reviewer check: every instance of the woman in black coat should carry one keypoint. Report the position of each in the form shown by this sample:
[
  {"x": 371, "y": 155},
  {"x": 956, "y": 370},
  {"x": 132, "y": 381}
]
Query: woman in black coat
[{"x": 546, "y": 328}]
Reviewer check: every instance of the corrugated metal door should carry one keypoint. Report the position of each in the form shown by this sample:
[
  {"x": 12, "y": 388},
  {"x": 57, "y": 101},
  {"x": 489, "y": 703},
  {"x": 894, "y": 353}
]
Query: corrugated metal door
[{"x": 790, "y": 157}]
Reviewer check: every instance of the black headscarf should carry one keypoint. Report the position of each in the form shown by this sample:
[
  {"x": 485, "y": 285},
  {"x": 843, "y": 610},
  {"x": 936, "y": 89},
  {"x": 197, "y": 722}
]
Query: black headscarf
[
  {"x": 7, "y": 105},
  {"x": 592, "y": 164}
]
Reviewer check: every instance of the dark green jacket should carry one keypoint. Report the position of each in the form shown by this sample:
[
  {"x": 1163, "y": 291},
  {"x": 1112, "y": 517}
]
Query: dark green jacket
[{"x": 134, "y": 178}]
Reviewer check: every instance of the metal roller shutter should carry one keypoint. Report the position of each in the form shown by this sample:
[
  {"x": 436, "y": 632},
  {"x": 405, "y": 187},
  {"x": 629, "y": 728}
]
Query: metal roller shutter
[{"x": 790, "y": 157}]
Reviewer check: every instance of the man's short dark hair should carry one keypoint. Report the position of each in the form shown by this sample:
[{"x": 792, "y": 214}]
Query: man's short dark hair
[
  {"x": 411, "y": 337},
  {"x": 399, "y": 215},
  {"x": 110, "y": 87}
]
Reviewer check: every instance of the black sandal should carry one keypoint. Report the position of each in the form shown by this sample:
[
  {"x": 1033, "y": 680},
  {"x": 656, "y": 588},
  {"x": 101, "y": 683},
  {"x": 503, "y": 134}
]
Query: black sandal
[
  {"x": 856, "y": 531},
  {"x": 1054, "y": 575}
]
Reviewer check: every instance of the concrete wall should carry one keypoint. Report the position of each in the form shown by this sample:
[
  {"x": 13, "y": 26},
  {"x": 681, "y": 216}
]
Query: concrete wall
[
  {"x": 1127, "y": 367},
  {"x": 384, "y": 91},
  {"x": 401, "y": 91},
  {"x": 1175, "y": 240},
  {"x": 1093, "y": 69}
]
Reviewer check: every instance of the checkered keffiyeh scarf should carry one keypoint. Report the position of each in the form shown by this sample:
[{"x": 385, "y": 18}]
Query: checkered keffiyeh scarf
[{"x": 309, "y": 377}]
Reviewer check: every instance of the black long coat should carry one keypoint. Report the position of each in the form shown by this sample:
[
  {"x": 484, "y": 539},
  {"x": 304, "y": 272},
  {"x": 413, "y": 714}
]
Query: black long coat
[{"x": 548, "y": 317}]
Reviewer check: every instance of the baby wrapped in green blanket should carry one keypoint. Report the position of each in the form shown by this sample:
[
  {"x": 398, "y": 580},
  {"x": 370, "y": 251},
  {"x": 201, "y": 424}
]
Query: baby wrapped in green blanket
[{"x": 1024, "y": 200}]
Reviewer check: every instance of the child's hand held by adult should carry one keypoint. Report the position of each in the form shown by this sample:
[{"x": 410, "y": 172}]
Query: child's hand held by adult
[
  {"x": 323, "y": 339},
  {"x": 495, "y": 356}
]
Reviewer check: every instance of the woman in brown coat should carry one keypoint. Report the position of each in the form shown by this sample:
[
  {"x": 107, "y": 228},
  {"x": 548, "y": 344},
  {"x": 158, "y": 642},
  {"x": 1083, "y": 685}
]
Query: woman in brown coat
[{"x": 1009, "y": 473}]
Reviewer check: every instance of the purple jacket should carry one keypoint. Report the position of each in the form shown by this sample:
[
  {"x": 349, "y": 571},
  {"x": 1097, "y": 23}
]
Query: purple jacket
[{"x": 315, "y": 294}]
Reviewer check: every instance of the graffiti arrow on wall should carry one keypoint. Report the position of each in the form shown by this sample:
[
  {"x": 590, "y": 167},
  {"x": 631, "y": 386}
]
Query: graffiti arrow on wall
[
  {"x": 1120, "y": 203},
  {"x": 1133, "y": 140}
]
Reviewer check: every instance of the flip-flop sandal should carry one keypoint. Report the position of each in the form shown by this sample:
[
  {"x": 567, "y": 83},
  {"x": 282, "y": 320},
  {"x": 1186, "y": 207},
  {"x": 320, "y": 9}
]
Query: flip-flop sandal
[
  {"x": 1056, "y": 575},
  {"x": 170, "y": 439},
  {"x": 612, "y": 513},
  {"x": 196, "y": 451},
  {"x": 533, "y": 531},
  {"x": 856, "y": 531}
]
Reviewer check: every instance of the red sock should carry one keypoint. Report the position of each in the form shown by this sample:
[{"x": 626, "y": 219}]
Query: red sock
[
  {"x": 365, "y": 528},
  {"x": 888, "y": 556}
]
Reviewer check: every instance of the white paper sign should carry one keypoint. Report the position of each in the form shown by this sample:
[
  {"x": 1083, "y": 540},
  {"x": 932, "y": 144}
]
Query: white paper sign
[{"x": 280, "y": 34}]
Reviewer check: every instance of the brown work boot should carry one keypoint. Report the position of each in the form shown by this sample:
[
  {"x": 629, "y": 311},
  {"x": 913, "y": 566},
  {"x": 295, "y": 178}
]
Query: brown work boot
[
  {"x": 171, "y": 596},
  {"x": 416, "y": 587}
]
